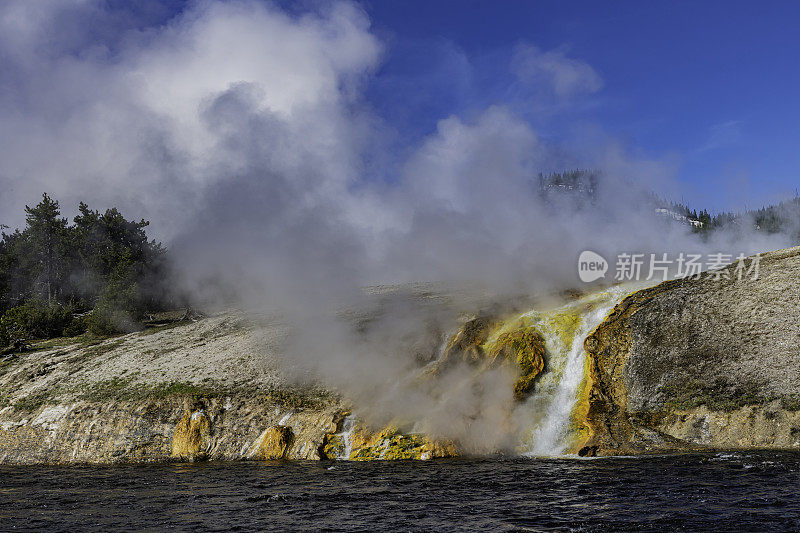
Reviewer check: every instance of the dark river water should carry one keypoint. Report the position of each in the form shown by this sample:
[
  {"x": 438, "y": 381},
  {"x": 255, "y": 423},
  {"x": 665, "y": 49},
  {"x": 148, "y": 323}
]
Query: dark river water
[{"x": 720, "y": 492}]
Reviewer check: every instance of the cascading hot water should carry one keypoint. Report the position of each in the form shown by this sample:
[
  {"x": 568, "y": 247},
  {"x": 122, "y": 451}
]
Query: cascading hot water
[{"x": 552, "y": 405}]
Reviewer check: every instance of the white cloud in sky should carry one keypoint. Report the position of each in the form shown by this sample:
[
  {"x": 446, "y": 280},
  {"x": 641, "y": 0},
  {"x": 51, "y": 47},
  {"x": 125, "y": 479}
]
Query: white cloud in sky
[
  {"x": 566, "y": 77},
  {"x": 721, "y": 135}
]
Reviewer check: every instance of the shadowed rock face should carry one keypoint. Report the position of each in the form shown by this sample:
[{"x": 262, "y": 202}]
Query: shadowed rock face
[
  {"x": 467, "y": 344},
  {"x": 525, "y": 347},
  {"x": 700, "y": 363}
]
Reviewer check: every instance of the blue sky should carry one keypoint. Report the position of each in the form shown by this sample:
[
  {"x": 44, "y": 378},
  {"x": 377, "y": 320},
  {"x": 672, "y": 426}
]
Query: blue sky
[{"x": 711, "y": 84}]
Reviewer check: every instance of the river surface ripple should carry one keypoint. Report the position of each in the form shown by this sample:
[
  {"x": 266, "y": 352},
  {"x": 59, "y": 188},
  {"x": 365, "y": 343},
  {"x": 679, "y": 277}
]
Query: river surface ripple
[{"x": 747, "y": 491}]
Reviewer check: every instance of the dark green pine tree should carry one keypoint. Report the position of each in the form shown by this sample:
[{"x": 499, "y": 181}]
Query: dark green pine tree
[
  {"x": 44, "y": 247},
  {"x": 107, "y": 246}
]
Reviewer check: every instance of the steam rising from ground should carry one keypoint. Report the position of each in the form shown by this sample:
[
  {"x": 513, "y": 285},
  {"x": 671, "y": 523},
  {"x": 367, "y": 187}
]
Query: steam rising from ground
[{"x": 242, "y": 132}]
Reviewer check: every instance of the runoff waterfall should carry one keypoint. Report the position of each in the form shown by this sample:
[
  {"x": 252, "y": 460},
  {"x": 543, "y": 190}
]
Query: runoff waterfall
[
  {"x": 548, "y": 427},
  {"x": 552, "y": 404}
]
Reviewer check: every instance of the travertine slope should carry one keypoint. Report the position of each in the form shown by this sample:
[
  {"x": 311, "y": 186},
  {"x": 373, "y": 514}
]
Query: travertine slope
[{"x": 709, "y": 362}]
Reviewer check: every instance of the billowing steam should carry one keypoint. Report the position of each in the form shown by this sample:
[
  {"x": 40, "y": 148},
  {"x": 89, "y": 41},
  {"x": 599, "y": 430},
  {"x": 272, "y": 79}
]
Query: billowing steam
[{"x": 243, "y": 133}]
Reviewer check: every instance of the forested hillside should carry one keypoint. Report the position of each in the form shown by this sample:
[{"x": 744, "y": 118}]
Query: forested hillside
[
  {"x": 783, "y": 217},
  {"x": 581, "y": 188},
  {"x": 100, "y": 272}
]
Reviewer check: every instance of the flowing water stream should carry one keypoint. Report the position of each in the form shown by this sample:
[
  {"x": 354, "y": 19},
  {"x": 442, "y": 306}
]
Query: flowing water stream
[
  {"x": 552, "y": 404},
  {"x": 346, "y": 435}
]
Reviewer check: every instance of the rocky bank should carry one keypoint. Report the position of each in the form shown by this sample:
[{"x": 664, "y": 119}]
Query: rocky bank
[
  {"x": 209, "y": 389},
  {"x": 708, "y": 363},
  {"x": 700, "y": 363}
]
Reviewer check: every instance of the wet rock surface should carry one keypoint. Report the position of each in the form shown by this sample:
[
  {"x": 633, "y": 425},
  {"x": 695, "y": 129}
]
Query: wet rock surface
[{"x": 361, "y": 443}]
